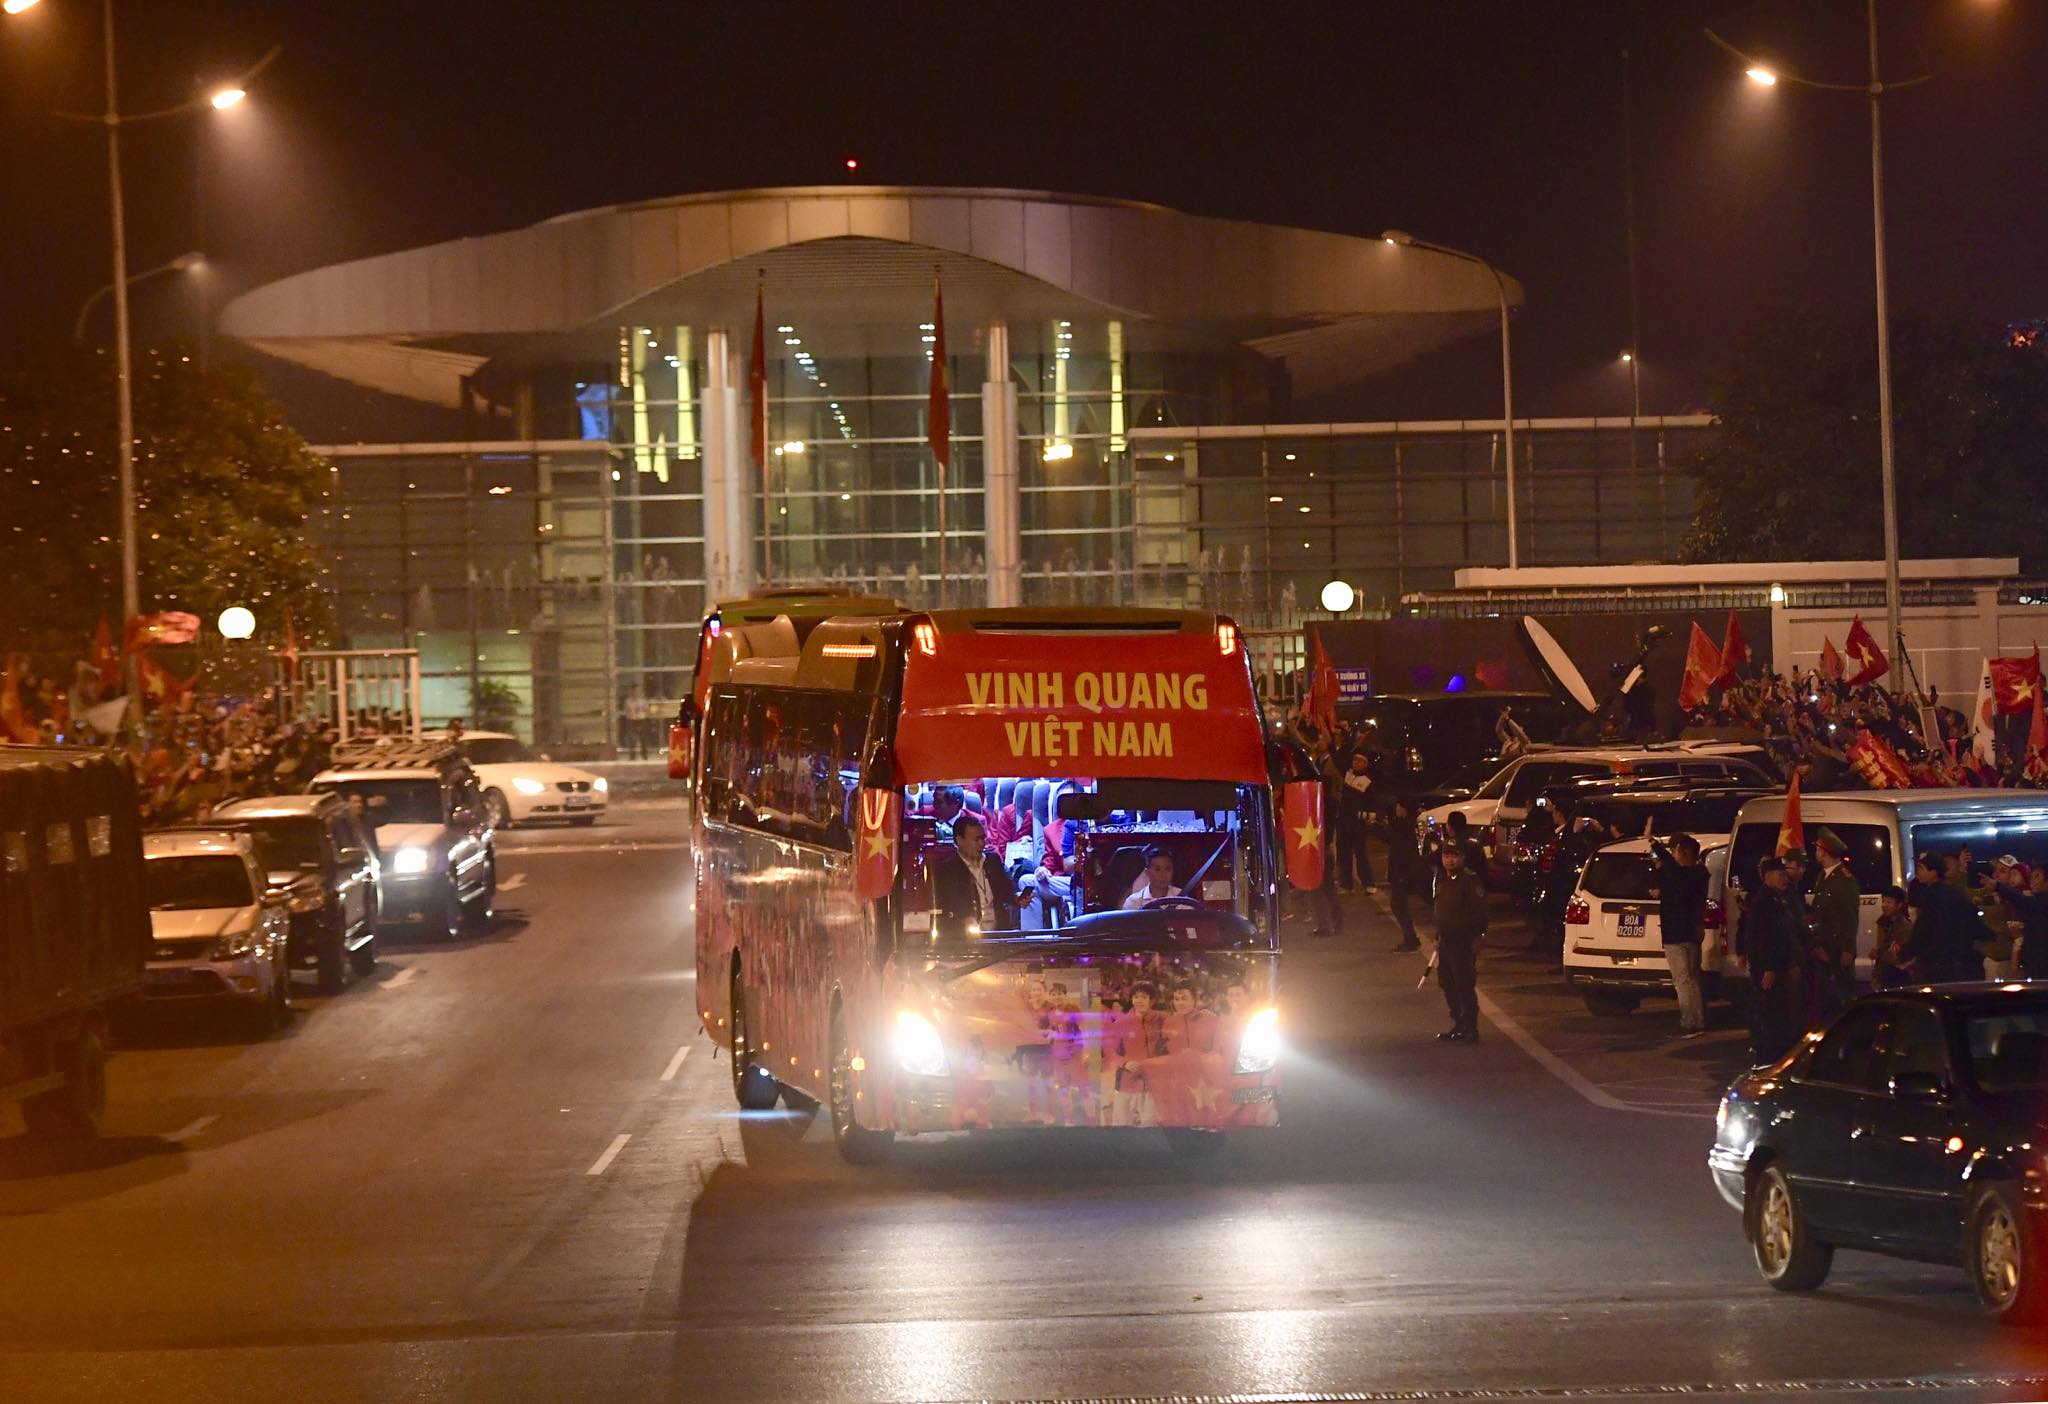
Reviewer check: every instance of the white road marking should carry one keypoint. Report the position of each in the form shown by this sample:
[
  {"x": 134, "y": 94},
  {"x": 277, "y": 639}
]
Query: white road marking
[
  {"x": 675, "y": 1064},
  {"x": 611, "y": 1153},
  {"x": 512, "y": 882},
  {"x": 1568, "y": 1075},
  {"x": 522, "y": 851},
  {"x": 192, "y": 1128},
  {"x": 1548, "y": 1061},
  {"x": 403, "y": 978}
]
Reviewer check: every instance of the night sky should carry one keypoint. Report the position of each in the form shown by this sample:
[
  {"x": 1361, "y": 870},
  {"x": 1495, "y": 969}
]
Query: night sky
[{"x": 1491, "y": 127}]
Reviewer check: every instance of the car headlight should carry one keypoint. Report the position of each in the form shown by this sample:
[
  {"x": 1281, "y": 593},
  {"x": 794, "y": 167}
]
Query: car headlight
[
  {"x": 410, "y": 860},
  {"x": 1259, "y": 1050},
  {"x": 919, "y": 1050},
  {"x": 600, "y": 784},
  {"x": 234, "y": 947},
  {"x": 527, "y": 787}
]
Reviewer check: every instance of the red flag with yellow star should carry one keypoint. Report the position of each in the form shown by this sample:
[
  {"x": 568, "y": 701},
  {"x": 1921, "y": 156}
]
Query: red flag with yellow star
[
  {"x": 1791, "y": 829},
  {"x": 2036, "y": 763},
  {"x": 2015, "y": 683},
  {"x": 159, "y": 686},
  {"x": 1301, "y": 823},
  {"x": 678, "y": 750},
  {"x": 105, "y": 658},
  {"x": 1871, "y": 664},
  {"x": 1703, "y": 665},
  {"x": 1830, "y": 665},
  {"x": 875, "y": 841}
]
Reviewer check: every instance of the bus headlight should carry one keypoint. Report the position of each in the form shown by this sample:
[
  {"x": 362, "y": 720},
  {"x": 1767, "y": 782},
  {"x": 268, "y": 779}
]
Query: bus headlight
[
  {"x": 1259, "y": 1050},
  {"x": 919, "y": 1051},
  {"x": 409, "y": 860}
]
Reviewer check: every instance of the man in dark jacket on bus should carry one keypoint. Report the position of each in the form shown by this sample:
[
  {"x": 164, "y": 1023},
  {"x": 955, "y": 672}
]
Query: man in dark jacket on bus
[
  {"x": 1460, "y": 927},
  {"x": 970, "y": 889}
]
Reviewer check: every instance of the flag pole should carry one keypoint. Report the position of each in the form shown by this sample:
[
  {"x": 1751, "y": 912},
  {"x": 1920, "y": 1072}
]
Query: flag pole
[{"x": 759, "y": 435}]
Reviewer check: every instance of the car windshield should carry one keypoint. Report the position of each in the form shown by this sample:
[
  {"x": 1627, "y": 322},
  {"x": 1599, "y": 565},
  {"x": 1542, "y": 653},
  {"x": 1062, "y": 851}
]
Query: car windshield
[
  {"x": 2009, "y": 1049},
  {"x": 393, "y": 801},
  {"x": 196, "y": 882},
  {"x": 284, "y": 845},
  {"x": 495, "y": 750}
]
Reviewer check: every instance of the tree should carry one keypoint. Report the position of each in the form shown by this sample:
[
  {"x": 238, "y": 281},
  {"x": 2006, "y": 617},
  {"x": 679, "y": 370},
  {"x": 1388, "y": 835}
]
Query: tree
[
  {"x": 224, "y": 490},
  {"x": 1793, "y": 473}
]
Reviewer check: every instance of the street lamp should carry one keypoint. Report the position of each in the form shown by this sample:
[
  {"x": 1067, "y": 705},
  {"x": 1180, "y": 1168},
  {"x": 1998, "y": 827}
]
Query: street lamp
[
  {"x": 1874, "y": 88},
  {"x": 1338, "y": 596},
  {"x": 183, "y": 263},
  {"x": 236, "y": 623},
  {"x": 112, "y": 118},
  {"x": 1402, "y": 239}
]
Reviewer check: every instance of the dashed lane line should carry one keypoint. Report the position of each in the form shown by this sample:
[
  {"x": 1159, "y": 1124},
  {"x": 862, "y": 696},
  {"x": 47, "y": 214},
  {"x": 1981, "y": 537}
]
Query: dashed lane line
[
  {"x": 403, "y": 978},
  {"x": 611, "y": 1153},
  {"x": 512, "y": 882},
  {"x": 675, "y": 1064}
]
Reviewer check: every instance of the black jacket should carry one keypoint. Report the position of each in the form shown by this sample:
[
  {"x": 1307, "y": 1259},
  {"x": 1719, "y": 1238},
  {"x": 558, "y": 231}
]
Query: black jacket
[
  {"x": 1460, "y": 907},
  {"x": 1945, "y": 934},
  {"x": 1681, "y": 900},
  {"x": 957, "y": 903},
  {"x": 1774, "y": 937}
]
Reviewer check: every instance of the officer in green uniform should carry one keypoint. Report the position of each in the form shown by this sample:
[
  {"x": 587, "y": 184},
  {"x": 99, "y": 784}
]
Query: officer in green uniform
[{"x": 1837, "y": 913}]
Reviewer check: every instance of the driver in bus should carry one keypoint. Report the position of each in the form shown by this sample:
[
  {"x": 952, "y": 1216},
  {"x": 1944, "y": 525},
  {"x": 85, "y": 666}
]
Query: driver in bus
[
  {"x": 1157, "y": 881},
  {"x": 969, "y": 887}
]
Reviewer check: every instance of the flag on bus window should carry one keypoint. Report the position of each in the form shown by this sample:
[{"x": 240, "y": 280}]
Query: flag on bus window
[
  {"x": 1301, "y": 824},
  {"x": 875, "y": 841}
]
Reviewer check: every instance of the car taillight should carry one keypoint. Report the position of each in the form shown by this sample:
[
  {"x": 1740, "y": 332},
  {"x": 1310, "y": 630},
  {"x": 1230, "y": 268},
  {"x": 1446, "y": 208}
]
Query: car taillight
[
  {"x": 1547, "y": 857},
  {"x": 1717, "y": 916},
  {"x": 1414, "y": 757},
  {"x": 1577, "y": 913}
]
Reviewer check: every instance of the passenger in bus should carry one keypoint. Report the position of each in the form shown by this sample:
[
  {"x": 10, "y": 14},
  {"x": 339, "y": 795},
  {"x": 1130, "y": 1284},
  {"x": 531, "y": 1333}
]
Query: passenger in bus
[
  {"x": 1130, "y": 1041},
  {"x": 1156, "y": 882},
  {"x": 970, "y": 890}
]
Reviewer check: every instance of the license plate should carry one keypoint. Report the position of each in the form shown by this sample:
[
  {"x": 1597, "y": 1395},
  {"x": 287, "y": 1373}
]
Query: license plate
[
  {"x": 169, "y": 977},
  {"x": 1252, "y": 1094},
  {"x": 1631, "y": 924},
  {"x": 577, "y": 801}
]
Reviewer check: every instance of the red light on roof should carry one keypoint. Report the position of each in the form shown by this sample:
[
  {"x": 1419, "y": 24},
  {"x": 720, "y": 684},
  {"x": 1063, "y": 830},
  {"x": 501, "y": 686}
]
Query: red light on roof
[
  {"x": 852, "y": 163},
  {"x": 926, "y": 634}
]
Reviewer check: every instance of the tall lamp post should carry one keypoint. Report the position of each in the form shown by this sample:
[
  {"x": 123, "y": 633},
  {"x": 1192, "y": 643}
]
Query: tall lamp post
[
  {"x": 1874, "y": 87},
  {"x": 183, "y": 263},
  {"x": 1401, "y": 238},
  {"x": 113, "y": 119}
]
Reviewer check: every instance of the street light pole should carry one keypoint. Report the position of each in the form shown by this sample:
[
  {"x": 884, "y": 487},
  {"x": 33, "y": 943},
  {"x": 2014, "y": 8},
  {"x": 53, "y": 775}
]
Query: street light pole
[
  {"x": 131, "y": 596},
  {"x": 1403, "y": 239},
  {"x": 1894, "y": 628}
]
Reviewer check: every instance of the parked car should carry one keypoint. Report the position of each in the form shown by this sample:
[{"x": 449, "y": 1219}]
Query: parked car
[
  {"x": 1885, "y": 828},
  {"x": 1911, "y": 1127},
  {"x": 520, "y": 787},
  {"x": 1496, "y": 812},
  {"x": 312, "y": 851},
  {"x": 1613, "y": 936},
  {"x": 437, "y": 863},
  {"x": 1429, "y": 737},
  {"x": 1621, "y": 808},
  {"x": 217, "y": 935},
  {"x": 74, "y": 931}
]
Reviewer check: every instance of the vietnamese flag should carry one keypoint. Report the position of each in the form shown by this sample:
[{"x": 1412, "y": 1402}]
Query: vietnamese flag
[
  {"x": 159, "y": 686},
  {"x": 1734, "y": 650},
  {"x": 170, "y": 626},
  {"x": 1871, "y": 664},
  {"x": 2015, "y": 683},
  {"x": 1703, "y": 667},
  {"x": 1301, "y": 822},
  {"x": 1791, "y": 830},
  {"x": 1322, "y": 689},
  {"x": 2036, "y": 765},
  {"x": 939, "y": 405},
  {"x": 1830, "y": 665},
  {"x": 875, "y": 844},
  {"x": 105, "y": 659}
]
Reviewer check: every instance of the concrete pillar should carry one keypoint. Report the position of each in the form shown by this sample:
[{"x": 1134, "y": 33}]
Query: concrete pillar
[
  {"x": 728, "y": 520},
  {"x": 999, "y": 481}
]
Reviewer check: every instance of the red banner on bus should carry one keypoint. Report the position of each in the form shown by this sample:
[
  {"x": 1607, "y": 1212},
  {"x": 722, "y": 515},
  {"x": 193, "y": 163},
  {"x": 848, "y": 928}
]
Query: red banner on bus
[{"x": 1172, "y": 706}]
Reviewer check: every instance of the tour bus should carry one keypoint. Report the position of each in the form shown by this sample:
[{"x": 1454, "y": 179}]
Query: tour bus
[
  {"x": 802, "y": 606},
  {"x": 1096, "y": 748}
]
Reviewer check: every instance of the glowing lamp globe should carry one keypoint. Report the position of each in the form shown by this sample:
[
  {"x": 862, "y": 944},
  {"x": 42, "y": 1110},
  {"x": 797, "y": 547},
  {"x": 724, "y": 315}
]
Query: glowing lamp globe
[
  {"x": 236, "y": 623},
  {"x": 1338, "y": 596}
]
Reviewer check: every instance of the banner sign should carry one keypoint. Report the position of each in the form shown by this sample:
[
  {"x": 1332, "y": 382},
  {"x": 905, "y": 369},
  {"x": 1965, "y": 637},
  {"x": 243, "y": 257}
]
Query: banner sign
[
  {"x": 1171, "y": 707},
  {"x": 1354, "y": 684}
]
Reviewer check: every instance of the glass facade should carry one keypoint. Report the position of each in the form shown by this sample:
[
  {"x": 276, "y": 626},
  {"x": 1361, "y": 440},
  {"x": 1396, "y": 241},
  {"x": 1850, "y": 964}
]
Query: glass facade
[{"x": 557, "y": 584}]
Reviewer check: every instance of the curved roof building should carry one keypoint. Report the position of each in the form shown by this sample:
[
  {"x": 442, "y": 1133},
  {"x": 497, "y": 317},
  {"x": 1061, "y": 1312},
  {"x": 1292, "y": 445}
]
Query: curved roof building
[{"x": 857, "y": 264}]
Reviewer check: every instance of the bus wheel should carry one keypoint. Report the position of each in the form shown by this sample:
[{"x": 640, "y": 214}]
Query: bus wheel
[
  {"x": 753, "y": 1087},
  {"x": 857, "y": 1145}
]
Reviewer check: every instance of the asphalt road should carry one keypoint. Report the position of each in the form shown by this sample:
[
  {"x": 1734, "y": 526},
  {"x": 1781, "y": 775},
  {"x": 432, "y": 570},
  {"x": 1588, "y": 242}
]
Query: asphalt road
[{"x": 510, "y": 1169}]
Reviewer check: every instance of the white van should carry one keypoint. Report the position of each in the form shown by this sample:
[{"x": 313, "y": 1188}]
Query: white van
[{"x": 1885, "y": 828}]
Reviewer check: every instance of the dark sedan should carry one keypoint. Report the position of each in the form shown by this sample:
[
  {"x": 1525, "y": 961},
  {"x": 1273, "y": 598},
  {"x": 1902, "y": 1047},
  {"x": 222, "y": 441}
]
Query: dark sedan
[{"x": 1915, "y": 1125}]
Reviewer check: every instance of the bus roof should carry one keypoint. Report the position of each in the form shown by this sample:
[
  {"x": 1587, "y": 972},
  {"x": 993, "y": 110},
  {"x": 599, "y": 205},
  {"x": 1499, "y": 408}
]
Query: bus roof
[
  {"x": 805, "y": 601},
  {"x": 1147, "y": 693}
]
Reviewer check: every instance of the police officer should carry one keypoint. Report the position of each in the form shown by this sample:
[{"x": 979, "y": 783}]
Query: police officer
[
  {"x": 1774, "y": 942},
  {"x": 1460, "y": 928},
  {"x": 1837, "y": 913}
]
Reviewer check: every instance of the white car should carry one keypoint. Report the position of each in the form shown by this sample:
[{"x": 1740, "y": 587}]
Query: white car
[
  {"x": 1496, "y": 812},
  {"x": 214, "y": 933},
  {"x": 1613, "y": 937},
  {"x": 520, "y": 786}
]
